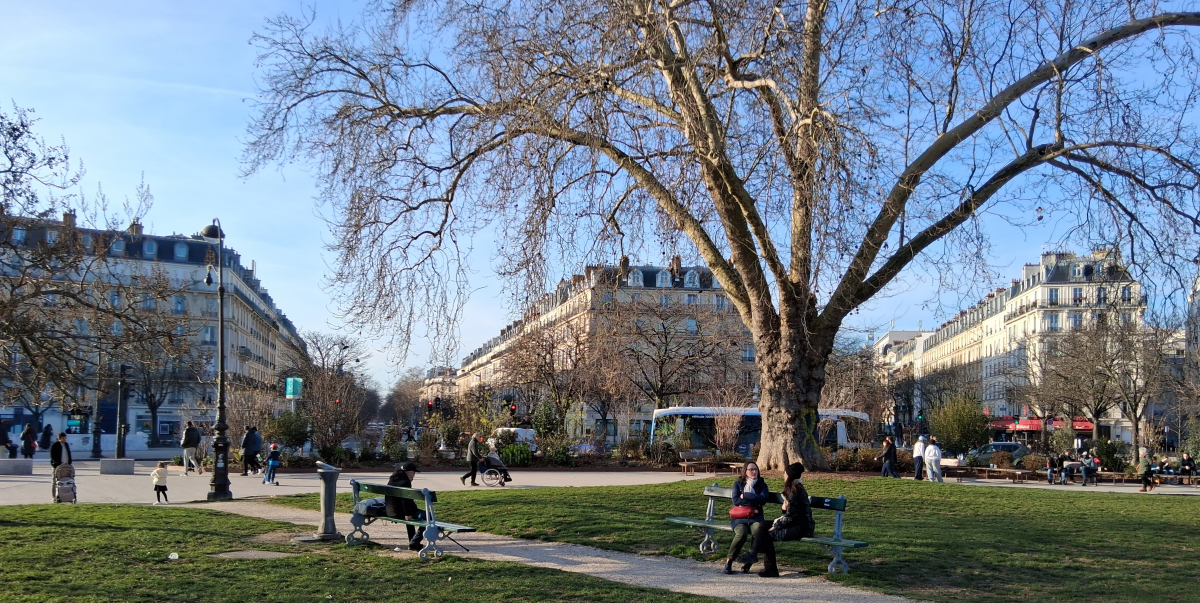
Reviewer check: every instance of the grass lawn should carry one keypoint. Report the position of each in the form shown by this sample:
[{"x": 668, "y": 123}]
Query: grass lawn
[
  {"x": 940, "y": 542},
  {"x": 94, "y": 553}
]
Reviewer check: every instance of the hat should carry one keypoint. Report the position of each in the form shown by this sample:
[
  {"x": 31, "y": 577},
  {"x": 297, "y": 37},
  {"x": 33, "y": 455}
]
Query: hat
[
  {"x": 274, "y": 446},
  {"x": 409, "y": 466},
  {"x": 794, "y": 471},
  {"x": 922, "y": 438}
]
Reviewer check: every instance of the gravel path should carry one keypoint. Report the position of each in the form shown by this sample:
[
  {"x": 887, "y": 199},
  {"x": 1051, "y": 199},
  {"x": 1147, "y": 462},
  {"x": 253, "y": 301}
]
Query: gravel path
[{"x": 679, "y": 575}]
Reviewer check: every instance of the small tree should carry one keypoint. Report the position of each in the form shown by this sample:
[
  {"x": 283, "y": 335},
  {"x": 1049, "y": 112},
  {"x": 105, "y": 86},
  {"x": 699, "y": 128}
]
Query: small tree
[
  {"x": 959, "y": 424},
  {"x": 289, "y": 430}
]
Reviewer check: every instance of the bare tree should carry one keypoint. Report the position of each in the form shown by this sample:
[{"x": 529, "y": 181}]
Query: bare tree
[
  {"x": 405, "y": 395},
  {"x": 544, "y": 361},
  {"x": 853, "y": 381},
  {"x": 809, "y": 153},
  {"x": 1078, "y": 370},
  {"x": 334, "y": 395}
]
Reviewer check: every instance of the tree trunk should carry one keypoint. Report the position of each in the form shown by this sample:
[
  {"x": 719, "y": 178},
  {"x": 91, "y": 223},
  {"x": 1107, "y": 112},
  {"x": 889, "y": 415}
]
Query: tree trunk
[
  {"x": 154, "y": 441},
  {"x": 791, "y": 392}
]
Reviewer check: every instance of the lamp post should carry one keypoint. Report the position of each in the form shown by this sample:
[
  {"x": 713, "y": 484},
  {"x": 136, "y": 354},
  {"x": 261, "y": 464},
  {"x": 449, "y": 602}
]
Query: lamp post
[
  {"x": 122, "y": 412},
  {"x": 219, "y": 486}
]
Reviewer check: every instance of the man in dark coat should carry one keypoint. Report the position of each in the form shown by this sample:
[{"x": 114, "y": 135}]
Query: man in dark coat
[
  {"x": 473, "y": 458},
  {"x": 405, "y": 507},
  {"x": 191, "y": 441},
  {"x": 60, "y": 452},
  {"x": 889, "y": 458}
]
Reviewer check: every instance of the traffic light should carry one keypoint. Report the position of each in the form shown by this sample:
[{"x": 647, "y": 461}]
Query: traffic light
[
  {"x": 1016, "y": 420},
  {"x": 337, "y": 400},
  {"x": 513, "y": 408},
  {"x": 920, "y": 415}
]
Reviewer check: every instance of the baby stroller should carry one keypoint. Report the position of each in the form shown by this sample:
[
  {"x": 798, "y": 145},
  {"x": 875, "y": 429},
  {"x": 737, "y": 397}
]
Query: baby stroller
[
  {"x": 64, "y": 484},
  {"x": 495, "y": 473}
]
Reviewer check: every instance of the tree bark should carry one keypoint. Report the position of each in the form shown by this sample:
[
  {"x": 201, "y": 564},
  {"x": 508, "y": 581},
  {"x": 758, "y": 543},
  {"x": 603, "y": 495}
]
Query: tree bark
[{"x": 791, "y": 383}]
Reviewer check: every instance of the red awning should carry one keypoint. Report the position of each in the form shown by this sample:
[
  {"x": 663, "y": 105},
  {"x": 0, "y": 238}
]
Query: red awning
[{"x": 1010, "y": 424}]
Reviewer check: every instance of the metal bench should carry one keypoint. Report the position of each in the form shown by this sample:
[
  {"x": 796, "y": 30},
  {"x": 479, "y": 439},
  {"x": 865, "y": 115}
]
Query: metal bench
[
  {"x": 834, "y": 544},
  {"x": 434, "y": 530}
]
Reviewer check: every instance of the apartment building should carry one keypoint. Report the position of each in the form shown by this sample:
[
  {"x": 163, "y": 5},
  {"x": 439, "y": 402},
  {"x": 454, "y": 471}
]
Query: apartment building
[{"x": 260, "y": 341}]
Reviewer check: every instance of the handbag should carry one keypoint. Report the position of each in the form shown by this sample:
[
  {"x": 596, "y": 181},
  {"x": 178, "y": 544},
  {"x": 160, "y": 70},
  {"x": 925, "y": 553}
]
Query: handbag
[{"x": 742, "y": 512}]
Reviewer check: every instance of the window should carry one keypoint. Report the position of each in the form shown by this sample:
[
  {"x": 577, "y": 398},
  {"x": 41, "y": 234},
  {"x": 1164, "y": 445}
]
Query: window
[
  {"x": 18, "y": 236},
  {"x": 1076, "y": 320},
  {"x": 1076, "y": 270},
  {"x": 1077, "y": 295},
  {"x": 118, "y": 246},
  {"x": 1126, "y": 318},
  {"x": 1101, "y": 295},
  {"x": 51, "y": 236},
  {"x": 693, "y": 299},
  {"x": 114, "y": 300},
  {"x": 1052, "y": 321},
  {"x": 118, "y": 329},
  {"x": 664, "y": 279},
  {"x": 607, "y": 297},
  {"x": 719, "y": 302},
  {"x": 208, "y": 336},
  {"x": 149, "y": 249},
  {"x": 210, "y": 306},
  {"x": 635, "y": 278},
  {"x": 179, "y": 305},
  {"x": 747, "y": 353},
  {"x": 87, "y": 242},
  {"x": 637, "y": 297},
  {"x": 692, "y": 329},
  {"x": 664, "y": 300},
  {"x": 691, "y": 280},
  {"x": 1126, "y": 294},
  {"x": 181, "y": 251},
  {"x": 81, "y": 327},
  {"x": 1054, "y": 296},
  {"x": 148, "y": 303}
]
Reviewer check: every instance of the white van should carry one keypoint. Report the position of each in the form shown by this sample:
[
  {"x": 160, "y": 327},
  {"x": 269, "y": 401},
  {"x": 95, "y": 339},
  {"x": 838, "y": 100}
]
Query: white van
[{"x": 524, "y": 436}]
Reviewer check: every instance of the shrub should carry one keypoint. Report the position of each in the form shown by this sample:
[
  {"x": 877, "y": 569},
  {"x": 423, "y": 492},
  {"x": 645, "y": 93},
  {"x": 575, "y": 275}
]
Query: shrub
[
  {"x": 632, "y": 448},
  {"x": 427, "y": 444},
  {"x": 1112, "y": 454},
  {"x": 865, "y": 460},
  {"x": 1002, "y": 459},
  {"x": 504, "y": 439},
  {"x": 904, "y": 461},
  {"x": 396, "y": 453},
  {"x": 335, "y": 455},
  {"x": 292, "y": 461},
  {"x": 516, "y": 455},
  {"x": 556, "y": 449},
  {"x": 841, "y": 459},
  {"x": 1062, "y": 441},
  {"x": 1033, "y": 462},
  {"x": 971, "y": 460},
  {"x": 959, "y": 425},
  {"x": 289, "y": 430},
  {"x": 177, "y": 460},
  {"x": 730, "y": 457},
  {"x": 662, "y": 453}
]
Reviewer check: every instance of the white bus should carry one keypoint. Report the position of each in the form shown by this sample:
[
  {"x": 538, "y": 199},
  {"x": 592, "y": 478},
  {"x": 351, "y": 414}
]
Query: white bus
[{"x": 699, "y": 421}]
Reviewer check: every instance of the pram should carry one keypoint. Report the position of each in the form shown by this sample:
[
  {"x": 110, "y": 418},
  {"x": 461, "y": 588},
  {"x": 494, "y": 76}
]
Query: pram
[
  {"x": 64, "y": 484},
  {"x": 495, "y": 473}
]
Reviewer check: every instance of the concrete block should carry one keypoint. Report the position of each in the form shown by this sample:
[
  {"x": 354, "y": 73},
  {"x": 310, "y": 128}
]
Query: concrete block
[
  {"x": 116, "y": 466},
  {"x": 16, "y": 466}
]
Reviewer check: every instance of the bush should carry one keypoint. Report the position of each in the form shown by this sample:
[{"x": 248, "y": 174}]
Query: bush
[
  {"x": 971, "y": 460},
  {"x": 865, "y": 460},
  {"x": 632, "y": 448},
  {"x": 662, "y": 453},
  {"x": 1002, "y": 459},
  {"x": 292, "y": 461},
  {"x": 730, "y": 457},
  {"x": 177, "y": 460},
  {"x": 1062, "y": 441},
  {"x": 396, "y": 453},
  {"x": 335, "y": 455},
  {"x": 960, "y": 425},
  {"x": 504, "y": 439},
  {"x": 1112, "y": 454},
  {"x": 289, "y": 430},
  {"x": 1033, "y": 462},
  {"x": 427, "y": 444},
  {"x": 904, "y": 461},
  {"x": 516, "y": 455},
  {"x": 556, "y": 450}
]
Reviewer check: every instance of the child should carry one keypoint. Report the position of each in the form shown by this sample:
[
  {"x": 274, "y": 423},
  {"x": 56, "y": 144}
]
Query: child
[
  {"x": 160, "y": 484},
  {"x": 272, "y": 464}
]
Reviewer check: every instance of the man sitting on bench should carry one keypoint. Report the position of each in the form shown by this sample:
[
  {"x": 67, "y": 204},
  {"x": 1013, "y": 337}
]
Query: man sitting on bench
[{"x": 402, "y": 507}]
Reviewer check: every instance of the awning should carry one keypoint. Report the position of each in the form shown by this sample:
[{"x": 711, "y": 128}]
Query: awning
[{"x": 1010, "y": 424}]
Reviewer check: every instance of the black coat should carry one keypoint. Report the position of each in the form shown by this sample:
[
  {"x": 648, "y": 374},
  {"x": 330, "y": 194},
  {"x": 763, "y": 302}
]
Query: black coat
[
  {"x": 56, "y": 453},
  {"x": 797, "y": 521},
  {"x": 396, "y": 506},
  {"x": 191, "y": 438}
]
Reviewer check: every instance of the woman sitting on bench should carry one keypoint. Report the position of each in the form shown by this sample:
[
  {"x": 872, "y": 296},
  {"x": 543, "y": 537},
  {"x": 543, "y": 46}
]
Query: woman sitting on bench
[
  {"x": 795, "y": 523},
  {"x": 750, "y": 493}
]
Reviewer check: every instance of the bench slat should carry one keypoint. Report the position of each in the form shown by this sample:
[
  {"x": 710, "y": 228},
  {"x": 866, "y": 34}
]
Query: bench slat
[
  {"x": 447, "y": 527},
  {"x": 397, "y": 491},
  {"x": 701, "y": 523},
  {"x": 853, "y": 544},
  {"x": 816, "y": 502}
]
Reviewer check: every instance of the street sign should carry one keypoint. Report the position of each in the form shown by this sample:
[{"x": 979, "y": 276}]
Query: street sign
[{"x": 295, "y": 387}]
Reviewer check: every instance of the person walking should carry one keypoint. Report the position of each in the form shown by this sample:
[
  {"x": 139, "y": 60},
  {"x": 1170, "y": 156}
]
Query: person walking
[
  {"x": 933, "y": 460},
  {"x": 919, "y": 458},
  {"x": 1052, "y": 466},
  {"x": 273, "y": 460},
  {"x": 256, "y": 446},
  {"x": 247, "y": 443},
  {"x": 750, "y": 493},
  {"x": 190, "y": 442},
  {"x": 1146, "y": 470},
  {"x": 473, "y": 459},
  {"x": 47, "y": 437},
  {"x": 60, "y": 452},
  {"x": 403, "y": 507},
  {"x": 28, "y": 441},
  {"x": 889, "y": 458},
  {"x": 159, "y": 476}
]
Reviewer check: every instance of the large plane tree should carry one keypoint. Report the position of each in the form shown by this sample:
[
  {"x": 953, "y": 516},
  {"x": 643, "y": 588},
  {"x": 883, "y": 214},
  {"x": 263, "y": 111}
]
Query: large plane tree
[{"x": 807, "y": 152}]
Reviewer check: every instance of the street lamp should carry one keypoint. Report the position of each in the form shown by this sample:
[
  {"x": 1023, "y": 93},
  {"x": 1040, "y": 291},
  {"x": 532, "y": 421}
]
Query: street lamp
[{"x": 219, "y": 486}]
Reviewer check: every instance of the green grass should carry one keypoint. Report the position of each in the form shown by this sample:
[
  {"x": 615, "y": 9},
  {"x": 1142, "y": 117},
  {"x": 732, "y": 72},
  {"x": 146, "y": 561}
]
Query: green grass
[
  {"x": 106, "y": 553},
  {"x": 940, "y": 542}
]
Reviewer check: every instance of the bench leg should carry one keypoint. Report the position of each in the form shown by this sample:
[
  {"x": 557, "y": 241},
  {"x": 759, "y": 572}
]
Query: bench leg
[
  {"x": 838, "y": 563},
  {"x": 708, "y": 545},
  {"x": 358, "y": 536},
  {"x": 431, "y": 549}
]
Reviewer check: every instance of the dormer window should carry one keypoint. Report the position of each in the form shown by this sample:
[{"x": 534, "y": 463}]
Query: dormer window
[
  {"x": 18, "y": 236},
  {"x": 691, "y": 280},
  {"x": 635, "y": 278},
  {"x": 181, "y": 251},
  {"x": 87, "y": 242},
  {"x": 149, "y": 249},
  {"x": 51, "y": 236},
  {"x": 664, "y": 279},
  {"x": 118, "y": 246}
]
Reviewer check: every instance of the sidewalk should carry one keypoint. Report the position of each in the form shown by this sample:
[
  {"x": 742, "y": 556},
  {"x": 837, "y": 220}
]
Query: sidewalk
[{"x": 678, "y": 575}]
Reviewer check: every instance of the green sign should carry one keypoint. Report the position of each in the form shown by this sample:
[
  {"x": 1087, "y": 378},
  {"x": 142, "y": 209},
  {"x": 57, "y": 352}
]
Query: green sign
[{"x": 295, "y": 387}]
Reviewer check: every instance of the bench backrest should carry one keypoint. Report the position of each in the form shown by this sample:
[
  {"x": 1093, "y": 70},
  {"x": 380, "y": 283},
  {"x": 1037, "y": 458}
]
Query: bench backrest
[
  {"x": 816, "y": 502},
  {"x": 385, "y": 490}
]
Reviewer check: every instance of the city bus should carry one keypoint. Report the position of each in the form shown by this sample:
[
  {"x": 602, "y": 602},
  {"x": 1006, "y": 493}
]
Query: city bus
[{"x": 699, "y": 420}]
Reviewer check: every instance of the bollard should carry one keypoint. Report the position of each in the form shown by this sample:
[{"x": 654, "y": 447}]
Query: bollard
[{"x": 329, "y": 477}]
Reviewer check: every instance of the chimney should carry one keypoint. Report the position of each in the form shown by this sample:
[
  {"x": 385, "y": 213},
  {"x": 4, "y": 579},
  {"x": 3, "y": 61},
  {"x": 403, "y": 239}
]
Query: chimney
[
  {"x": 624, "y": 264},
  {"x": 676, "y": 265},
  {"x": 135, "y": 228},
  {"x": 69, "y": 219}
]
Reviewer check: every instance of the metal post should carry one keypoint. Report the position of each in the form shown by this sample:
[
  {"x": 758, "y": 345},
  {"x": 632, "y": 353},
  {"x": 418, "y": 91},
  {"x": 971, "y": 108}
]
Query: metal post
[
  {"x": 219, "y": 486},
  {"x": 96, "y": 454},
  {"x": 329, "y": 477},
  {"x": 122, "y": 411}
]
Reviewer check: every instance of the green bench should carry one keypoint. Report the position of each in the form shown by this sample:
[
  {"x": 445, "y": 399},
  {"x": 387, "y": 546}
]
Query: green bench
[
  {"x": 834, "y": 544},
  {"x": 434, "y": 530}
]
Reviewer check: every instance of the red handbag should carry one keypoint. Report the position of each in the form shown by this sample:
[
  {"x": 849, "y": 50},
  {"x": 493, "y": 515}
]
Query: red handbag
[{"x": 742, "y": 512}]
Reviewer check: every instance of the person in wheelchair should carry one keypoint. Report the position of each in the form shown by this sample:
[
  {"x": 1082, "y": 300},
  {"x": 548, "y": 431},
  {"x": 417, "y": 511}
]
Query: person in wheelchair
[{"x": 492, "y": 461}]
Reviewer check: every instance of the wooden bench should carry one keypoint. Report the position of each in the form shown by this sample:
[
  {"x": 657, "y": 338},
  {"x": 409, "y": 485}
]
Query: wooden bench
[
  {"x": 434, "y": 530},
  {"x": 710, "y": 524}
]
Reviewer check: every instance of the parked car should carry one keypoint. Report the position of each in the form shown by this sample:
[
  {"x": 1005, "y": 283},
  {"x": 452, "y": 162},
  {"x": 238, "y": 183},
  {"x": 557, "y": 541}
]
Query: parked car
[
  {"x": 527, "y": 437},
  {"x": 983, "y": 454}
]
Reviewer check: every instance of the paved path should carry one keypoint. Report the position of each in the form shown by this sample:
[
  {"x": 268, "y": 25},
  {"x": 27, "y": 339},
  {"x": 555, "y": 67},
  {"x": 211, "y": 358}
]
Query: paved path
[{"x": 679, "y": 575}]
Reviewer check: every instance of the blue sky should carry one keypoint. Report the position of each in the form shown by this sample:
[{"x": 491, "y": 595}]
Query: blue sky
[{"x": 163, "y": 89}]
